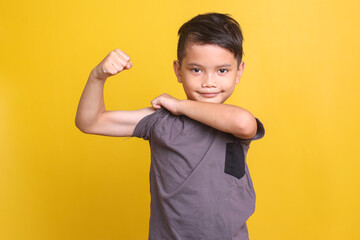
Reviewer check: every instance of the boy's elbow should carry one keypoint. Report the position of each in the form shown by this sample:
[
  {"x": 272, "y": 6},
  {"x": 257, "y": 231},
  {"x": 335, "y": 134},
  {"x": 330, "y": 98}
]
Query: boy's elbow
[
  {"x": 81, "y": 127},
  {"x": 82, "y": 130},
  {"x": 246, "y": 127}
]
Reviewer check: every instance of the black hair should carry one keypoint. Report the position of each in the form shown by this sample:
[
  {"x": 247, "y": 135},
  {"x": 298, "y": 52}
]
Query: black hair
[{"x": 211, "y": 28}]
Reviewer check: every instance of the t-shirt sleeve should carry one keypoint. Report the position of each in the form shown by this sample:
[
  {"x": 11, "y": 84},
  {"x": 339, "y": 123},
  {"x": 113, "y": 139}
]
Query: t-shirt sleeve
[
  {"x": 145, "y": 126},
  {"x": 260, "y": 132}
]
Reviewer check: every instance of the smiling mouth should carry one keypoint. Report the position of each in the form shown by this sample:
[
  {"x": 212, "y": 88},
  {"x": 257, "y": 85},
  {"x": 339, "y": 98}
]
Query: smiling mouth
[{"x": 209, "y": 95}]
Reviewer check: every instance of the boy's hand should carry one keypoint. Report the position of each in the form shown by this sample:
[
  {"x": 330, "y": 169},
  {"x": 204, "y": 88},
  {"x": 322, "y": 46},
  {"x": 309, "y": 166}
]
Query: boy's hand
[
  {"x": 112, "y": 64},
  {"x": 170, "y": 103}
]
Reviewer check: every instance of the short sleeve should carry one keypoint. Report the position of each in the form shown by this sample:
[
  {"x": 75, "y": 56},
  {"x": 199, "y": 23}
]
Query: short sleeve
[
  {"x": 260, "y": 132},
  {"x": 145, "y": 126}
]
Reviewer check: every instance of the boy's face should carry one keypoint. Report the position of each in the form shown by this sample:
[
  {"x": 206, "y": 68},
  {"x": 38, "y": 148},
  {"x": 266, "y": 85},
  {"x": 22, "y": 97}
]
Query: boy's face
[{"x": 208, "y": 73}]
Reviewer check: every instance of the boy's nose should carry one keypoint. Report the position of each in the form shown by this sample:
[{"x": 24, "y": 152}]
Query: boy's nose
[{"x": 208, "y": 81}]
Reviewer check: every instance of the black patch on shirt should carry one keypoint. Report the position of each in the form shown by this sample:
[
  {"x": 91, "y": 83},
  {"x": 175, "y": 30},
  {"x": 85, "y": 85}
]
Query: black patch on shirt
[{"x": 235, "y": 160}]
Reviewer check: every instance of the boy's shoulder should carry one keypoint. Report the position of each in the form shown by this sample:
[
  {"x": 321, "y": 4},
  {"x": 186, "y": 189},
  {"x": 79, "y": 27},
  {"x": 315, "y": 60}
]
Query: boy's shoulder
[{"x": 163, "y": 123}]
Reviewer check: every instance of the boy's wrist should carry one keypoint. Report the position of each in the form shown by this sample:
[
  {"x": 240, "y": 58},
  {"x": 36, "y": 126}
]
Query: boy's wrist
[
  {"x": 94, "y": 77},
  {"x": 182, "y": 106}
]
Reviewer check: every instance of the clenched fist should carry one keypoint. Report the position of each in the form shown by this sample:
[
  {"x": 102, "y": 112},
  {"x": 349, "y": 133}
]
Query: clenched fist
[{"x": 112, "y": 64}]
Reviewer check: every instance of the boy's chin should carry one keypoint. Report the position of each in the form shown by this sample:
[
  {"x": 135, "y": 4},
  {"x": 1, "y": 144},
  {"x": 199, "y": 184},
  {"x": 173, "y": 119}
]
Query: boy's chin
[{"x": 208, "y": 100}]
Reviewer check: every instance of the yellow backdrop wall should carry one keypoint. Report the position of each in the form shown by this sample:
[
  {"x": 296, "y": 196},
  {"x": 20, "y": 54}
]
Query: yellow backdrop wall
[{"x": 301, "y": 80}]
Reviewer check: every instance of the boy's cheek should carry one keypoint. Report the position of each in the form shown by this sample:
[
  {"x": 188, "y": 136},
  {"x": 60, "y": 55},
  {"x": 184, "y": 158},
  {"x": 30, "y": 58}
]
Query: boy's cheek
[{"x": 186, "y": 75}]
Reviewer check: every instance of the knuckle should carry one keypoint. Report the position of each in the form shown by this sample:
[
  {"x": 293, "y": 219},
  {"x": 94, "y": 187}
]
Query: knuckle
[
  {"x": 118, "y": 50},
  {"x": 123, "y": 54}
]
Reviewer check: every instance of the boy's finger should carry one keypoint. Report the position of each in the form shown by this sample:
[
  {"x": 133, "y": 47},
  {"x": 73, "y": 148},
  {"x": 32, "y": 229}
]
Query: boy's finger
[
  {"x": 116, "y": 67},
  {"x": 124, "y": 55},
  {"x": 112, "y": 70},
  {"x": 155, "y": 104},
  {"x": 128, "y": 65},
  {"x": 119, "y": 61}
]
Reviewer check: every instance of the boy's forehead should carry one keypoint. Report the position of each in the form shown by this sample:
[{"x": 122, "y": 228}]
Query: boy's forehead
[{"x": 208, "y": 53}]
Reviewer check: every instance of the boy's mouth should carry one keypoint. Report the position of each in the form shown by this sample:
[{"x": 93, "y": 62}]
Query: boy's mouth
[{"x": 209, "y": 95}]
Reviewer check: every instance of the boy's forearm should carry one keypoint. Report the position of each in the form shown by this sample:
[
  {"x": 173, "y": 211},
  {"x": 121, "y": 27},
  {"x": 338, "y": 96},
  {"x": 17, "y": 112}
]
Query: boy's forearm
[
  {"x": 224, "y": 117},
  {"x": 91, "y": 103}
]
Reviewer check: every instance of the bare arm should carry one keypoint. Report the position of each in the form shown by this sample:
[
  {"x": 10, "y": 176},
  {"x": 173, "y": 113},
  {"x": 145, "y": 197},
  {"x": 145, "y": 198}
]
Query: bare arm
[
  {"x": 91, "y": 116},
  {"x": 224, "y": 117}
]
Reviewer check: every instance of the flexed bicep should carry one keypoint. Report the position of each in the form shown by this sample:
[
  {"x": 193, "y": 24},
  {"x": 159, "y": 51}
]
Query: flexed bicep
[{"x": 118, "y": 123}]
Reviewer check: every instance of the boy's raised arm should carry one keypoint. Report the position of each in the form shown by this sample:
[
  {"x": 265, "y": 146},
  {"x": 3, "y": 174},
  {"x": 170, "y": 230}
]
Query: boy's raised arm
[{"x": 91, "y": 116}]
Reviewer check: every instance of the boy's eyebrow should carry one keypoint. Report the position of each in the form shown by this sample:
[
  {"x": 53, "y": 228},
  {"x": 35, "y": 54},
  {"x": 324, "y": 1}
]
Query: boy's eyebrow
[{"x": 218, "y": 66}]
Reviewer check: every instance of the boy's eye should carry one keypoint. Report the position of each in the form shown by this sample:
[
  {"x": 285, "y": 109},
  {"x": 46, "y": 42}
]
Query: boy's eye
[
  {"x": 196, "y": 70},
  {"x": 223, "y": 70}
]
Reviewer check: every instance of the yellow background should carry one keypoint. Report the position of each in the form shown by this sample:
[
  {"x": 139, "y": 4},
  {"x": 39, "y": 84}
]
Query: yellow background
[{"x": 301, "y": 80}]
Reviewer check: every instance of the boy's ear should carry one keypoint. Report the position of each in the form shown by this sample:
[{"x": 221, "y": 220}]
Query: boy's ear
[
  {"x": 177, "y": 70},
  {"x": 240, "y": 72}
]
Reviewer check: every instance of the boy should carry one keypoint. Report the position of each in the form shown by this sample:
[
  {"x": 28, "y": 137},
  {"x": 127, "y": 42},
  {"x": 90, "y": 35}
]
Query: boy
[{"x": 199, "y": 180}]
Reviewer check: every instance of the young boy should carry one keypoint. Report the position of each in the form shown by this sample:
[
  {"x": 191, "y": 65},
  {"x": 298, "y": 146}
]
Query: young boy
[{"x": 199, "y": 180}]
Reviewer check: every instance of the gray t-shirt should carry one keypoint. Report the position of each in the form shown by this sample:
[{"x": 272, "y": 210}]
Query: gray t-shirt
[{"x": 200, "y": 184}]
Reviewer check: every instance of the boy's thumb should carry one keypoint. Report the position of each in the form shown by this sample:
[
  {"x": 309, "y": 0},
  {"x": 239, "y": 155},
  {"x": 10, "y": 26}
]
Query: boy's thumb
[{"x": 128, "y": 65}]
